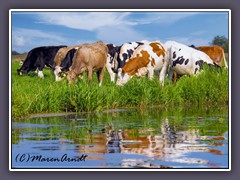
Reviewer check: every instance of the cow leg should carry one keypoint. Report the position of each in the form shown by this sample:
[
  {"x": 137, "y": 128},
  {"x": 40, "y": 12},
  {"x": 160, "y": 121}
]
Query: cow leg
[
  {"x": 112, "y": 75},
  {"x": 225, "y": 62},
  {"x": 150, "y": 72},
  {"x": 56, "y": 72},
  {"x": 39, "y": 71},
  {"x": 40, "y": 74},
  {"x": 90, "y": 70},
  {"x": 170, "y": 76},
  {"x": 163, "y": 73},
  {"x": 109, "y": 69},
  {"x": 100, "y": 75}
]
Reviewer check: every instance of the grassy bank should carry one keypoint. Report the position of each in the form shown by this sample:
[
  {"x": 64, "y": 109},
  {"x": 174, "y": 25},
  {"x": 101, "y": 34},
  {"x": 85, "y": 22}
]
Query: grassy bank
[{"x": 31, "y": 94}]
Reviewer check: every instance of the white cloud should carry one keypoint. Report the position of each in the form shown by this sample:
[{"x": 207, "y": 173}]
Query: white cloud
[
  {"x": 114, "y": 27},
  {"x": 119, "y": 35},
  {"x": 26, "y": 39},
  {"x": 85, "y": 20},
  {"x": 33, "y": 33},
  {"x": 18, "y": 40},
  {"x": 94, "y": 20}
]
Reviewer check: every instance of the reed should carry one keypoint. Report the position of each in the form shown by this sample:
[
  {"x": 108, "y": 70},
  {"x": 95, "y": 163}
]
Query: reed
[{"x": 31, "y": 95}]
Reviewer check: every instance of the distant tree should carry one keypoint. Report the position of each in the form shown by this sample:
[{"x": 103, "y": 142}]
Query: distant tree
[
  {"x": 15, "y": 53},
  {"x": 221, "y": 41}
]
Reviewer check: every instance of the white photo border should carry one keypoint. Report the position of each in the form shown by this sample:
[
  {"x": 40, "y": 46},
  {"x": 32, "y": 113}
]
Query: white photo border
[{"x": 115, "y": 10}]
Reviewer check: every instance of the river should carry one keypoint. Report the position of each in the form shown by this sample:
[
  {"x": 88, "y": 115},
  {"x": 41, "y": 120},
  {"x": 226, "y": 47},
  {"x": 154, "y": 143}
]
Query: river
[{"x": 124, "y": 138}]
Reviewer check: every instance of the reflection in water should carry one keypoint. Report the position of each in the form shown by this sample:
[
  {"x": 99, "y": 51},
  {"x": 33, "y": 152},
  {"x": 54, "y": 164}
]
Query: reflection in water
[
  {"x": 167, "y": 146},
  {"x": 130, "y": 139}
]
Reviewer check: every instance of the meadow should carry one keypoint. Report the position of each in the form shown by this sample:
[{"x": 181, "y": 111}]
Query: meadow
[{"x": 31, "y": 94}]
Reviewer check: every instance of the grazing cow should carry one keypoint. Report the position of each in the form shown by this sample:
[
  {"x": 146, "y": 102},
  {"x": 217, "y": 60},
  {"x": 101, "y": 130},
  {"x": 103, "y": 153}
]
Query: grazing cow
[
  {"x": 126, "y": 52},
  {"x": 185, "y": 60},
  {"x": 38, "y": 58},
  {"x": 67, "y": 61},
  {"x": 119, "y": 55},
  {"x": 216, "y": 53},
  {"x": 63, "y": 60},
  {"x": 146, "y": 58},
  {"x": 89, "y": 57}
]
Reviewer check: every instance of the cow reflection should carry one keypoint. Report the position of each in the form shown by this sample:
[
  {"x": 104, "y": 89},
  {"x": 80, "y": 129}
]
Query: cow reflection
[
  {"x": 129, "y": 141},
  {"x": 168, "y": 142}
]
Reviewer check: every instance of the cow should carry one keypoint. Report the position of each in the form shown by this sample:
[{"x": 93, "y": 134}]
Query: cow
[
  {"x": 89, "y": 57},
  {"x": 146, "y": 58},
  {"x": 185, "y": 60},
  {"x": 216, "y": 53},
  {"x": 38, "y": 58},
  {"x": 67, "y": 61},
  {"x": 126, "y": 52},
  {"x": 119, "y": 55},
  {"x": 63, "y": 60}
]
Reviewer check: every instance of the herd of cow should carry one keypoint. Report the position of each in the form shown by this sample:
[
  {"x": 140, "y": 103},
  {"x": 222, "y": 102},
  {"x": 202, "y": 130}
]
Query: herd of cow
[{"x": 126, "y": 61}]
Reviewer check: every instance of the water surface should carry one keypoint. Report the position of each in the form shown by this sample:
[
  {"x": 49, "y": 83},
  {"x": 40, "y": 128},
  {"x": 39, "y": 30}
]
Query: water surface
[{"x": 149, "y": 138}]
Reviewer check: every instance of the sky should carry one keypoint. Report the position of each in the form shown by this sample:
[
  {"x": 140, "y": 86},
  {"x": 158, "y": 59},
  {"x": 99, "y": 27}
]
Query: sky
[{"x": 32, "y": 29}]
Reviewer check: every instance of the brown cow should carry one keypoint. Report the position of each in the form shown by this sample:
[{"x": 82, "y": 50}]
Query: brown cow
[
  {"x": 216, "y": 53},
  {"x": 89, "y": 57}
]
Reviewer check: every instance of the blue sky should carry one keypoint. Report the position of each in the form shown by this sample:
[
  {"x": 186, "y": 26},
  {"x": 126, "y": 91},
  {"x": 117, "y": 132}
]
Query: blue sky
[{"x": 33, "y": 29}]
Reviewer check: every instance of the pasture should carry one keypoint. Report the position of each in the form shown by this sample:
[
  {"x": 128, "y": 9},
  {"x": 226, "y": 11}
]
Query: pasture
[{"x": 31, "y": 94}]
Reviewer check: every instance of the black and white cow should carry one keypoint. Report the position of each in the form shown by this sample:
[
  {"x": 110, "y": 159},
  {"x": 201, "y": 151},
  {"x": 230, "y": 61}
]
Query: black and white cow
[
  {"x": 60, "y": 71},
  {"x": 185, "y": 60},
  {"x": 119, "y": 55},
  {"x": 38, "y": 58},
  {"x": 68, "y": 60}
]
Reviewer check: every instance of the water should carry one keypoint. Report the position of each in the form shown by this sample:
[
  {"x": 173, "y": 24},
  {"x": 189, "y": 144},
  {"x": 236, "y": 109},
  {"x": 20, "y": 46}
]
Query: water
[{"x": 149, "y": 138}]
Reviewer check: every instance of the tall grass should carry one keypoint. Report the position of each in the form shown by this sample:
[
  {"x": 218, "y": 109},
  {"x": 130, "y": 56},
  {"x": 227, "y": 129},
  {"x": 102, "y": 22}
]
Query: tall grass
[{"x": 30, "y": 94}]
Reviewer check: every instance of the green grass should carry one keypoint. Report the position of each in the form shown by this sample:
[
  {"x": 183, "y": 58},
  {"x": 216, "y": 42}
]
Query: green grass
[{"x": 30, "y": 94}]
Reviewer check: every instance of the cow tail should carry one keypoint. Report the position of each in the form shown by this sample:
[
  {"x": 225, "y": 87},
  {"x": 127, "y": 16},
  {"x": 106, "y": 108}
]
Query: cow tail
[{"x": 225, "y": 62}]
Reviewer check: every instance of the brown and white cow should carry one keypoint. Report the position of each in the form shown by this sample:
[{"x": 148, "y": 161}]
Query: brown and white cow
[
  {"x": 216, "y": 53},
  {"x": 61, "y": 54},
  {"x": 89, "y": 57},
  {"x": 146, "y": 58}
]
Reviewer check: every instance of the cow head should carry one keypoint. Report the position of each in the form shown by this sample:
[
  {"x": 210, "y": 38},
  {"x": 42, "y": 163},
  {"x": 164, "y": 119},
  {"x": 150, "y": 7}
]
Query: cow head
[
  {"x": 122, "y": 78},
  {"x": 62, "y": 74},
  {"x": 21, "y": 72},
  {"x": 72, "y": 77}
]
